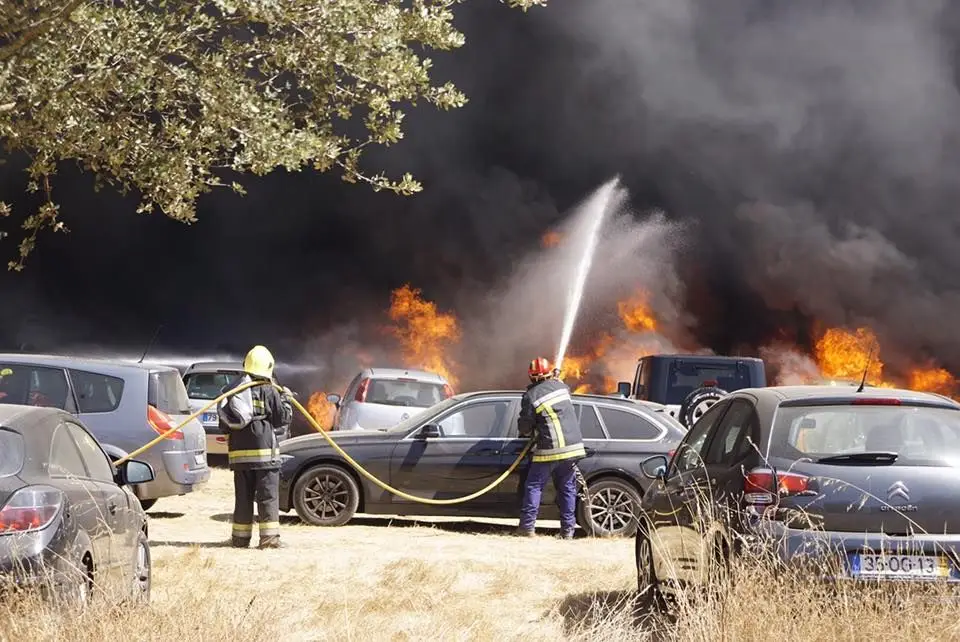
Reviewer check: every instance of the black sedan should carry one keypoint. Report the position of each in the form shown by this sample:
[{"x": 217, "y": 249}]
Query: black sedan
[
  {"x": 462, "y": 445},
  {"x": 68, "y": 523},
  {"x": 856, "y": 484}
]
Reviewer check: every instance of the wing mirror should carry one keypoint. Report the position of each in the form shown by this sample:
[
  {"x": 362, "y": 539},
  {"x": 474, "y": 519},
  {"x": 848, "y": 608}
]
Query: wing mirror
[
  {"x": 654, "y": 467},
  {"x": 623, "y": 389},
  {"x": 429, "y": 431},
  {"x": 334, "y": 399},
  {"x": 134, "y": 472}
]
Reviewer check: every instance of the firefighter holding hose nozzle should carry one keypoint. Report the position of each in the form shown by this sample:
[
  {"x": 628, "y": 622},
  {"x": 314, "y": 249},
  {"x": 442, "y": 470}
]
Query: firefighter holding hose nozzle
[{"x": 547, "y": 413}]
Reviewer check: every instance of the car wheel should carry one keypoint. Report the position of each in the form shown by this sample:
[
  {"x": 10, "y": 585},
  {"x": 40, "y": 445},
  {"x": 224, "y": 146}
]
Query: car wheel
[
  {"x": 698, "y": 402},
  {"x": 326, "y": 495},
  {"x": 613, "y": 509},
  {"x": 76, "y": 594},
  {"x": 648, "y": 586},
  {"x": 142, "y": 570},
  {"x": 147, "y": 503}
]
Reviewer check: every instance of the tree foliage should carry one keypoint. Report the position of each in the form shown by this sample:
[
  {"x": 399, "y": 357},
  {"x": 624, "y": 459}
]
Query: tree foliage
[{"x": 166, "y": 98}]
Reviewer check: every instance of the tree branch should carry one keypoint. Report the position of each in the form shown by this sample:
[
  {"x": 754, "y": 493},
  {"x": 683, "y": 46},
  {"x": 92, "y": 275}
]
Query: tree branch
[{"x": 40, "y": 28}]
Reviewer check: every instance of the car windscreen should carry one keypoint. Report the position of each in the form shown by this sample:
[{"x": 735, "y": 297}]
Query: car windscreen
[
  {"x": 167, "y": 393},
  {"x": 404, "y": 392},
  {"x": 685, "y": 376},
  {"x": 11, "y": 452},
  {"x": 920, "y": 436},
  {"x": 210, "y": 385}
]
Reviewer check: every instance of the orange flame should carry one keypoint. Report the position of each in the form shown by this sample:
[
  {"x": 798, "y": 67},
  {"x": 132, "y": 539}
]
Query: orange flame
[
  {"x": 841, "y": 354},
  {"x": 424, "y": 333},
  {"x": 551, "y": 239},
  {"x": 935, "y": 380},
  {"x": 636, "y": 314},
  {"x": 321, "y": 409}
]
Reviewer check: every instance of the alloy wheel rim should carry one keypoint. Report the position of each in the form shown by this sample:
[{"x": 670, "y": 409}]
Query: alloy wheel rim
[
  {"x": 611, "y": 509},
  {"x": 326, "y": 496}
]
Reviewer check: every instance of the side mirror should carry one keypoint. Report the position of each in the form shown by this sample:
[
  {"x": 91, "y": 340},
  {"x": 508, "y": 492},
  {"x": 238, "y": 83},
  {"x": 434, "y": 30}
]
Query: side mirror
[
  {"x": 623, "y": 389},
  {"x": 429, "y": 431},
  {"x": 334, "y": 399},
  {"x": 134, "y": 472},
  {"x": 654, "y": 467}
]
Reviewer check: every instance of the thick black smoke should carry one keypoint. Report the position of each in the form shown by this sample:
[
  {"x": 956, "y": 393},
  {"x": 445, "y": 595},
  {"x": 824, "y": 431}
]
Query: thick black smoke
[{"x": 810, "y": 148}]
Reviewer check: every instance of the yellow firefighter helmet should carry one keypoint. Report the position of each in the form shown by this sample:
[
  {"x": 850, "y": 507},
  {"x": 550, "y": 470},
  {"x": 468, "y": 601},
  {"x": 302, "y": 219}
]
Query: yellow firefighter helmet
[{"x": 259, "y": 362}]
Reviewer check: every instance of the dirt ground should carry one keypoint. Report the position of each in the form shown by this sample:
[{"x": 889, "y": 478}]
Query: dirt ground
[{"x": 387, "y": 578}]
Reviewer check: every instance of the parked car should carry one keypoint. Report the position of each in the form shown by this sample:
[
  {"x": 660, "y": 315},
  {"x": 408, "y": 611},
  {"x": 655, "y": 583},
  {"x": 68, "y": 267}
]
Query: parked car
[
  {"x": 864, "y": 484},
  {"x": 379, "y": 398},
  {"x": 205, "y": 382},
  {"x": 125, "y": 405},
  {"x": 68, "y": 522},
  {"x": 462, "y": 444}
]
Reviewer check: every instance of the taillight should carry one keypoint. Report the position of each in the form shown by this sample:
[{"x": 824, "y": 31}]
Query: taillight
[
  {"x": 162, "y": 423},
  {"x": 362, "y": 391},
  {"x": 29, "y": 509},
  {"x": 758, "y": 486},
  {"x": 670, "y": 455},
  {"x": 447, "y": 391},
  {"x": 868, "y": 401}
]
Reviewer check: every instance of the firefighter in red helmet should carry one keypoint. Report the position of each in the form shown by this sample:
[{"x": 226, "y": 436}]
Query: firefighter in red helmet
[{"x": 547, "y": 413}]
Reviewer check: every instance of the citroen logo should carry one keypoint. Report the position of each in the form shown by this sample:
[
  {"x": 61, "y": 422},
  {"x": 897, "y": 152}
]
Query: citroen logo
[{"x": 898, "y": 489}]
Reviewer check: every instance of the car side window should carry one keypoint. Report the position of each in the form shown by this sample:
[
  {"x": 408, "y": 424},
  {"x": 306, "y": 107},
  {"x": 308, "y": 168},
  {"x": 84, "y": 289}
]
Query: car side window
[
  {"x": 93, "y": 456},
  {"x": 30, "y": 385},
  {"x": 732, "y": 442},
  {"x": 96, "y": 392},
  {"x": 65, "y": 459},
  {"x": 690, "y": 452},
  {"x": 627, "y": 425},
  {"x": 590, "y": 426},
  {"x": 479, "y": 420}
]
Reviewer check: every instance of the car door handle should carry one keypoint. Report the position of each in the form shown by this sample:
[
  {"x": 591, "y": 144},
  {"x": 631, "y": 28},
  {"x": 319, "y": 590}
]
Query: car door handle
[
  {"x": 112, "y": 508},
  {"x": 590, "y": 451},
  {"x": 488, "y": 451}
]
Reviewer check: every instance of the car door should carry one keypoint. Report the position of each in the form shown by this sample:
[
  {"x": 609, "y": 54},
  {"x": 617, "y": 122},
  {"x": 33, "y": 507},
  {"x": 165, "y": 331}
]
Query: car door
[
  {"x": 118, "y": 516},
  {"x": 511, "y": 490},
  {"x": 32, "y": 385},
  {"x": 678, "y": 501},
  {"x": 87, "y": 507},
  {"x": 462, "y": 460},
  {"x": 734, "y": 446}
]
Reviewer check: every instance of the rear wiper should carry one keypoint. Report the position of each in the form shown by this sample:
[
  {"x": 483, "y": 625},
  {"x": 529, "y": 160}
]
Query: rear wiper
[{"x": 861, "y": 458}]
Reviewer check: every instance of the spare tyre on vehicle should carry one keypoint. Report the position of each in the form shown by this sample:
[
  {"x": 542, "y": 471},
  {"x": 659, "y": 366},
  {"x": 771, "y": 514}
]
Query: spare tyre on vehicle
[{"x": 698, "y": 402}]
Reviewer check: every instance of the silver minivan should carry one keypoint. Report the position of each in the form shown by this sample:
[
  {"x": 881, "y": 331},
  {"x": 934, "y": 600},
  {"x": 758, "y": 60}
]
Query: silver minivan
[
  {"x": 379, "y": 398},
  {"x": 125, "y": 405}
]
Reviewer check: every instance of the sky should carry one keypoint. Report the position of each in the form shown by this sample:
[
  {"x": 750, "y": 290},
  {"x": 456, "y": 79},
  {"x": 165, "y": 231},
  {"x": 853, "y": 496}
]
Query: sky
[{"x": 809, "y": 153}]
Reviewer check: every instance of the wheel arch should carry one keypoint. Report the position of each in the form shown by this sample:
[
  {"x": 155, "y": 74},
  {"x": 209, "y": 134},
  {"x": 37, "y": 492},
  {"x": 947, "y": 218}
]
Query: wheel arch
[
  {"x": 616, "y": 473},
  {"x": 328, "y": 460}
]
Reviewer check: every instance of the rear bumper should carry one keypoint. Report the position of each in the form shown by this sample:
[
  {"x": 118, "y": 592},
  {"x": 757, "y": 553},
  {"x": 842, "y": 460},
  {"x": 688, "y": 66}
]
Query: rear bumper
[
  {"x": 177, "y": 473},
  {"x": 834, "y": 555}
]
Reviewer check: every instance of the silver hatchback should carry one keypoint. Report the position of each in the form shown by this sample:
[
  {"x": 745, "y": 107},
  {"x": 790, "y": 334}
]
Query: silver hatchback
[
  {"x": 379, "y": 398},
  {"x": 125, "y": 405}
]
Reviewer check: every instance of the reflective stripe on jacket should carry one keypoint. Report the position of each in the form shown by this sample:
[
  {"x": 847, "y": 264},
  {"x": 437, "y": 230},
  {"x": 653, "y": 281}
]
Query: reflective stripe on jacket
[
  {"x": 546, "y": 410},
  {"x": 255, "y": 445}
]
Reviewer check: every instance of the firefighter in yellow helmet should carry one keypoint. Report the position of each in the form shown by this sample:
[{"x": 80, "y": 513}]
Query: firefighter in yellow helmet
[{"x": 253, "y": 418}]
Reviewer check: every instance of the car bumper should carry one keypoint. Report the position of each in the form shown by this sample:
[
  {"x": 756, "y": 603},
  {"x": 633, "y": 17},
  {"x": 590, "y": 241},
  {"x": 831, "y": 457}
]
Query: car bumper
[
  {"x": 834, "y": 556},
  {"x": 216, "y": 444}
]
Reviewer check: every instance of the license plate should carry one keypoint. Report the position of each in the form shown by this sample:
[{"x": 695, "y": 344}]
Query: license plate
[
  {"x": 913, "y": 566},
  {"x": 200, "y": 459},
  {"x": 209, "y": 418}
]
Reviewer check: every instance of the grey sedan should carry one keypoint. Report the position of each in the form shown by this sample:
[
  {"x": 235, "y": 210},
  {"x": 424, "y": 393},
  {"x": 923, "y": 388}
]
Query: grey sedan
[
  {"x": 858, "y": 484},
  {"x": 463, "y": 444}
]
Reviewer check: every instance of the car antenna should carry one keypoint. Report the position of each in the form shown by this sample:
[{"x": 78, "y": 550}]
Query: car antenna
[
  {"x": 863, "y": 381},
  {"x": 150, "y": 345}
]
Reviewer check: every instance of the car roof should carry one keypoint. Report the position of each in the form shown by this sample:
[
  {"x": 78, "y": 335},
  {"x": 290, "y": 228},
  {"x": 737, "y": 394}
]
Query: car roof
[
  {"x": 413, "y": 373},
  {"x": 214, "y": 366},
  {"x": 16, "y": 415},
  {"x": 80, "y": 363},
  {"x": 633, "y": 403},
  {"x": 783, "y": 393},
  {"x": 717, "y": 358}
]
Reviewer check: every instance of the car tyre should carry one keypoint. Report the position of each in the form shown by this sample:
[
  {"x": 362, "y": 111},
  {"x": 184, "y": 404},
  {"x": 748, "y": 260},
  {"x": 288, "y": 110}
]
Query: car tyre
[
  {"x": 142, "y": 571},
  {"x": 613, "y": 509},
  {"x": 147, "y": 504},
  {"x": 326, "y": 495},
  {"x": 648, "y": 585},
  {"x": 697, "y": 403}
]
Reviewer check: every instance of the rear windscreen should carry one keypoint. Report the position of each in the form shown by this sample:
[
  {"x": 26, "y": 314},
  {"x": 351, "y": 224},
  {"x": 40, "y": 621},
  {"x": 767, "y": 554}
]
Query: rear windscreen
[
  {"x": 398, "y": 392},
  {"x": 167, "y": 393},
  {"x": 210, "y": 385},
  {"x": 919, "y": 436},
  {"x": 685, "y": 376},
  {"x": 11, "y": 453}
]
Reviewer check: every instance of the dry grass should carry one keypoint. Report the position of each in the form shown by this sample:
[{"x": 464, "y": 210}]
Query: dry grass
[{"x": 448, "y": 580}]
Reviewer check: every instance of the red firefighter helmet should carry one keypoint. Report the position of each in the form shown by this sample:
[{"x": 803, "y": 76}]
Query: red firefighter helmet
[{"x": 539, "y": 368}]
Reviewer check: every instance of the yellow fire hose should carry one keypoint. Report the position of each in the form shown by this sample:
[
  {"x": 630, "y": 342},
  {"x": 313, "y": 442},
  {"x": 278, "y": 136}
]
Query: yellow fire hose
[{"x": 336, "y": 446}]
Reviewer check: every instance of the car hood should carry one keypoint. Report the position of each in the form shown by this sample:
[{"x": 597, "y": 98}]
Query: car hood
[{"x": 339, "y": 436}]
